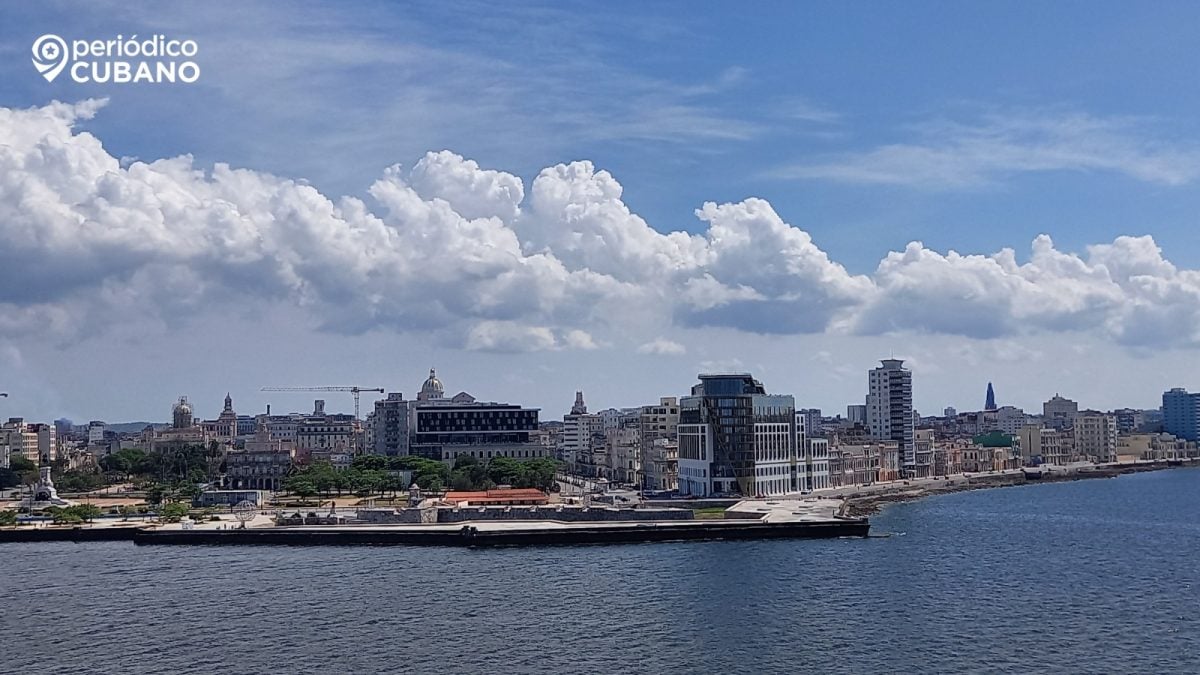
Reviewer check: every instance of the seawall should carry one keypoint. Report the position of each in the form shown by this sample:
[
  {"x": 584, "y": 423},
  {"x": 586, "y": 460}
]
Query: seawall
[
  {"x": 470, "y": 536},
  {"x": 29, "y": 534},
  {"x": 870, "y": 504}
]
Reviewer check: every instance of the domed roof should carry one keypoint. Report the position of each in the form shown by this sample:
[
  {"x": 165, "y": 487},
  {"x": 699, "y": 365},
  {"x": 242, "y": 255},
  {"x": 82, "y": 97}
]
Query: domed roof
[
  {"x": 432, "y": 387},
  {"x": 182, "y": 406}
]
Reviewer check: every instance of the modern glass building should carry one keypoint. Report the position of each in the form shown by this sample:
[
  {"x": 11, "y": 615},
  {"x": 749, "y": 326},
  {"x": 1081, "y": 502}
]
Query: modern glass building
[{"x": 734, "y": 438}]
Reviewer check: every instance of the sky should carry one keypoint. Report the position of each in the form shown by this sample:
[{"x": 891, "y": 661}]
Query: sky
[{"x": 542, "y": 198}]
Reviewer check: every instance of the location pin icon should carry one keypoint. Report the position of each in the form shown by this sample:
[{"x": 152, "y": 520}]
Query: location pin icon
[{"x": 49, "y": 56}]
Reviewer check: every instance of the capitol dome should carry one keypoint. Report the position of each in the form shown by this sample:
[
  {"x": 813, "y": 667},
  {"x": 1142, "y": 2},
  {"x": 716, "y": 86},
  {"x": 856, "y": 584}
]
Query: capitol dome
[
  {"x": 432, "y": 389},
  {"x": 182, "y": 414}
]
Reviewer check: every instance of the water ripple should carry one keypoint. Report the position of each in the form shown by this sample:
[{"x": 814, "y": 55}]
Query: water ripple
[{"x": 1094, "y": 576}]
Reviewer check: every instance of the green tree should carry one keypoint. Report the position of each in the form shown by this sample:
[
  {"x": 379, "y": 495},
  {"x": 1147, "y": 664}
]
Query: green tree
[
  {"x": 63, "y": 516},
  {"x": 189, "y": 491},
  {"x": 156, "y": 493},
  {"x": 20, "y": 463},
  {"x": 79, "y": 481},
  {"x": 301, "y": 485},
  {"x": 8, "y": 518},
  {"x": 541, "y": 472},
  {"x": 370, "y": 463},
  {"x": 9, "y": 479},
  {"x": 88, "y": 512},
  {"x": 507, "y": 471},
  {"x": 173, "y": 512}
]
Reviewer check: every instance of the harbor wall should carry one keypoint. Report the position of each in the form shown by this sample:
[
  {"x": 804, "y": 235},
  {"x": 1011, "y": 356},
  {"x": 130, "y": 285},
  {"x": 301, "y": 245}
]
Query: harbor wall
[
  {"x": 471, "y": 537},
  {"x": 568, "y": 514}
]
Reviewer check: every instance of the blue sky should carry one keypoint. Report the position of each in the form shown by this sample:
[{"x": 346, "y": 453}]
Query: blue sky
[{"x": 968, "y": 127}]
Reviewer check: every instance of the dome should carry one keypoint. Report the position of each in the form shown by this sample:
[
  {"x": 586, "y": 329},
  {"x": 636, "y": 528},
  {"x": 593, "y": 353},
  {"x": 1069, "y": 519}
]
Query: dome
[
  {"x": 432, "y": 387},
  {"x": 182, "y": 414}
]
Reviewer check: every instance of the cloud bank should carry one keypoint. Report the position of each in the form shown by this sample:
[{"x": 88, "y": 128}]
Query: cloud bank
[{"x": 470, "y": 255}]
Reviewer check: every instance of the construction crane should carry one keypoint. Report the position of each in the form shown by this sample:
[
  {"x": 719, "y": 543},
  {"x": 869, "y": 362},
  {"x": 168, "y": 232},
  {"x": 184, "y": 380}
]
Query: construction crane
[{"x": 353, "y": 390}]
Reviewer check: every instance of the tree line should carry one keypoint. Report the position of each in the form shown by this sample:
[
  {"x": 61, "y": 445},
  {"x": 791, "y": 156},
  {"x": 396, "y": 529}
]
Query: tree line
[{"x": 370, "y": 474}]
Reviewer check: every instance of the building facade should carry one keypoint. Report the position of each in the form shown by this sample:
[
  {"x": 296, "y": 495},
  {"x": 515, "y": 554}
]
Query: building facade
[
  {"x": 1042, "y": 445},
  {"x": 734, "y": 438},
  {"x": 656, "y": 423},
  {"x": 263, "y": 463},
  {"x": 389, "y": 426},
  {"x": 1059, "y": 412},
  {"x": 1096, "y": 436},
  {"x": 582, "y": 439},
  {"x": 443, "y": 429},
  {"x": 890, "y": 410},
  {"x": 1181, "y": 414}
]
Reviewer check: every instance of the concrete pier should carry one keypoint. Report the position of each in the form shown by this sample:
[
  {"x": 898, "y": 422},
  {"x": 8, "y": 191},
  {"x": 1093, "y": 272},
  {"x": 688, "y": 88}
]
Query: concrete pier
[{"x": 491, "y": 534}]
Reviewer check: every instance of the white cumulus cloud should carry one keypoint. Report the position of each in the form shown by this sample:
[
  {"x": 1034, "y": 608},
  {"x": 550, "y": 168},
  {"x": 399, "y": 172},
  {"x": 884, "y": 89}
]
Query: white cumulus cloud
[
  {"x": 662, "y": 347},
  {"x": 90, "y": 241}
]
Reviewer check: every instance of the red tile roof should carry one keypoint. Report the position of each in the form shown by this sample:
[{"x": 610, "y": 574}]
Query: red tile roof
[{"x": 498, "y": 496}]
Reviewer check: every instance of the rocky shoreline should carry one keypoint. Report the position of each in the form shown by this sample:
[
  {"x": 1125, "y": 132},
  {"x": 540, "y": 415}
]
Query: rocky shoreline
[{"x": 870, "y": 504}]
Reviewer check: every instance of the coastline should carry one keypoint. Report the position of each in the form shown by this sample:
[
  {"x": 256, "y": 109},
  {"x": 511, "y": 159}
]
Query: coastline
[{"x": 871, "y": 503}]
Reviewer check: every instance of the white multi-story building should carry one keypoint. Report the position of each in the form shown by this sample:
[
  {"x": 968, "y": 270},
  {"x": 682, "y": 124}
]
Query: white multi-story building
[
  {"x": 817, "y": 457},
  {"x": 775, "y": 460},
  {"x": 582, "y": 439},
  {"x": 1096, "y": 436},
  {"x": 923, "y": 439},
  {"x": 95, "y": 432},
  {"x": 812, "y": 459},
  {"x": 36, "y": 442},
  {"x": 890, "y": 410}
]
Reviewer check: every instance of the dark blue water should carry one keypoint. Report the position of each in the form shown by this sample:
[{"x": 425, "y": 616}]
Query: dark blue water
[{"x": 1093, "y": 576}]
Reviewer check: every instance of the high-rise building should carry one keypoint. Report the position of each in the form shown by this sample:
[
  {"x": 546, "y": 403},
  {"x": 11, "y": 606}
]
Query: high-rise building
[
  {"x": 389, "y": 425},
  {"x": 734, "y": 438},
  {"x": 990, "y": 401},
  {"x": 890, "y": 410},
  {"x": 1181, "y": 414}
]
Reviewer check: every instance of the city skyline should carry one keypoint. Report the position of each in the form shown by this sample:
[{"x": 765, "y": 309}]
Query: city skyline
[
  {"x": 338, "y": 400},
  {"x": 679, "y": 215}
]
